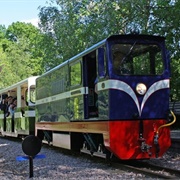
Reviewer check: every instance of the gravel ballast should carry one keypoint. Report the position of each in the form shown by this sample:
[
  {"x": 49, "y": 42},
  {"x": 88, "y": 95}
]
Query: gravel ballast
[{"x": 58, "y": 165}]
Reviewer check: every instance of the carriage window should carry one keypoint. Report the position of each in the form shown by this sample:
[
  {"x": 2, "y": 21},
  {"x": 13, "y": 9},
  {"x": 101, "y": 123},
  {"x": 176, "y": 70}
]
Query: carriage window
[
  {"x": 75, "y": 74},
  {"x": 32, "y": 94},
  {"x": 137, "y": 59}
]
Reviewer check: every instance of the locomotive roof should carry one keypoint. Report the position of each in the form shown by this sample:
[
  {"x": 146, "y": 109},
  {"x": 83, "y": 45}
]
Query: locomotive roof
[{"x": 139, "y": 36}]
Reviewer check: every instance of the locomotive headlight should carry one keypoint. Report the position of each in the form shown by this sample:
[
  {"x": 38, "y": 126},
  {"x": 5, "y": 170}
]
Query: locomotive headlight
[{"x": 141, "y": 88}]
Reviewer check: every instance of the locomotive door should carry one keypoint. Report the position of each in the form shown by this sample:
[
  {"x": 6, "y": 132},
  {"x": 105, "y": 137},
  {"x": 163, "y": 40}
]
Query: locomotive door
[{"x": 90, "y": 74}]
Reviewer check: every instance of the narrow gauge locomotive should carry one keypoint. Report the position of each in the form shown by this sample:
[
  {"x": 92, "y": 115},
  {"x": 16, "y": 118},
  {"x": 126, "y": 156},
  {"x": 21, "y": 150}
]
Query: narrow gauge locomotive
[
  {"x": 22, "y": 121},
  {"x": 111, "y": 99}
]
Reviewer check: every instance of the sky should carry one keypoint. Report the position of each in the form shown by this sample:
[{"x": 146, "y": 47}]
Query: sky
[{"x": 20, "y": 10}]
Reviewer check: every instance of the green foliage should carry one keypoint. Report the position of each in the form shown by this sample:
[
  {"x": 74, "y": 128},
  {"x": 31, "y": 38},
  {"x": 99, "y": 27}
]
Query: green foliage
[
  {"x": 175, "y": 79},
  {"x": 21, "y": 53},
  {"x": 2, "y": 31}
]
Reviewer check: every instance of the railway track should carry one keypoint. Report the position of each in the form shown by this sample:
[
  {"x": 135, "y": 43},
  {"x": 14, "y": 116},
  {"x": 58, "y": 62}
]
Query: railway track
[
  {"x": 150, "y": 170},
  {"x": 140, "y": 167}
]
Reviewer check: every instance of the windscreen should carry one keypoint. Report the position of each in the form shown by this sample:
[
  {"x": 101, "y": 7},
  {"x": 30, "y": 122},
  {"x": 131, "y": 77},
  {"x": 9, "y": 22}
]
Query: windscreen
[{"x": 137, "y": 59}]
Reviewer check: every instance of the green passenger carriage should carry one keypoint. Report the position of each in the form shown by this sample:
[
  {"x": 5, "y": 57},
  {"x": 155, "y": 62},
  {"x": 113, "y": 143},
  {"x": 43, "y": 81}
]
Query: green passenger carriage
[{"x": 23, "y": 120}]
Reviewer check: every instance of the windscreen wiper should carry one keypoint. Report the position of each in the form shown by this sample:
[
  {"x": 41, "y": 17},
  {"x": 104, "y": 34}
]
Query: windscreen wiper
[{"x": 129, "y": 52}]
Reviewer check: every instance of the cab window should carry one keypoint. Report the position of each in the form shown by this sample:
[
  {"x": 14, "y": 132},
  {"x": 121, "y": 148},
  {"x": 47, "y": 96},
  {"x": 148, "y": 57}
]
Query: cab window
[{"x": 137, "y": 59}]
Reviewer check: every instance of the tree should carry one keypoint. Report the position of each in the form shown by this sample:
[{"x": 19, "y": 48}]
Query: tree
[
  {"x": 22, "y": 53},
  {"x": 29, "y": 37}
]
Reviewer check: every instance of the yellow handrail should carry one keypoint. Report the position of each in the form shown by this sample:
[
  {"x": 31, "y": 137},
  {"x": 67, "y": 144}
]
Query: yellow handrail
[{"x": 169, "y": 124}]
